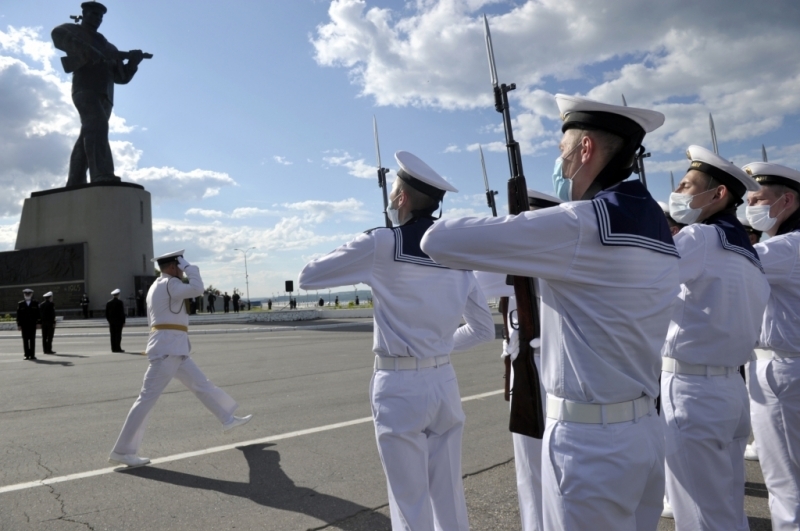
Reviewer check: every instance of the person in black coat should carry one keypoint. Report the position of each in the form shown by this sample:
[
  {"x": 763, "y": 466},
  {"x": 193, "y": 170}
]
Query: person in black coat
[
  {"x": 236, "y": 298},
  {"x": 28, "y": 320},
  {"x": 211, "y": 299},
  {"x": 47, "y": 312},
  {"x": 115, "y": 315},
  {"x": 140, "y": 304},
  {"x": 85, "y": 305},
  {"x": 226, "y": 302}
]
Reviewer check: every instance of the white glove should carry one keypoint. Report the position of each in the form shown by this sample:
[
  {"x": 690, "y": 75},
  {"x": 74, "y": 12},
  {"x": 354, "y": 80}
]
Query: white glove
[
  {"x": 511, "y": 347},
  {"x": 182, "y": 263}
]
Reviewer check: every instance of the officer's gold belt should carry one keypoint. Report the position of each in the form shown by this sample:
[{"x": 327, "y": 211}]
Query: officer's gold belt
[{"x": 180, "y": 328}]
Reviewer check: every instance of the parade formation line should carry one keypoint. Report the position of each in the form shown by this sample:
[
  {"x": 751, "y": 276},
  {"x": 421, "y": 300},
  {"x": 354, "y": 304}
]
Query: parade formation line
[{"x": 207, "y": 451}]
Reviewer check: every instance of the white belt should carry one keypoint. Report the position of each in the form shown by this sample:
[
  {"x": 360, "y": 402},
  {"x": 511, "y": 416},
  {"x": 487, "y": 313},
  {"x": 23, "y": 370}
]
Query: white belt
[
  {"x": 769, "y": 354},
  {"x": 566, "y": 410},
  {"x": 681, "y": 367},
  {"x": 409, "y": 363}
]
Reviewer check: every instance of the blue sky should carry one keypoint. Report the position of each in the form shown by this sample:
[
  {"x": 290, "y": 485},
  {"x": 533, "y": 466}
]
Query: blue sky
[{"x": 252, "y": 125}]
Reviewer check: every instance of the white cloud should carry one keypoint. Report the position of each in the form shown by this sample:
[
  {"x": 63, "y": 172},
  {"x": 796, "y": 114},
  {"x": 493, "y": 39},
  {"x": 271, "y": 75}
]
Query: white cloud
[
  {"x": 205, "y": 213},
  {"x": 8, "y": 235},
  {"x": 318, "y": 211},
  {"x": 281, "y": 160},
  {"x": 682, "y": 59},
  {"x": 452, "y": 148},
  {"x": 359, "y": 168},
  {"x": 248, "y": 212}
]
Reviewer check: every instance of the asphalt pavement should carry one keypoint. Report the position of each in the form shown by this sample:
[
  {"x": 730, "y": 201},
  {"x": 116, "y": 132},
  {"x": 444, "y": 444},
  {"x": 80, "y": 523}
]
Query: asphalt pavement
[{"x": 308, "y": 459}]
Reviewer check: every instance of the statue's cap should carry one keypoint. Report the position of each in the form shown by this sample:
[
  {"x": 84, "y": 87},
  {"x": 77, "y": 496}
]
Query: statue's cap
[
  {"x": 169, "y": 257},
  {"x": 115, "y": 292},
  {"x": 96, "y": 6},
  {"x": 421, "y": 177},
  {"x": 48, "y": 294}
]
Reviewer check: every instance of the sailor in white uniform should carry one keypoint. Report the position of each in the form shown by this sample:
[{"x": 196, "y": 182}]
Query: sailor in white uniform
[
  {"x": 773, "y": 380},
  {"x": 608, "y": 273},
  {"x": 418, "y": 307},
  {"x": 715, "y": 326},
  {"x": 527, "y": 450},
  {"x": 168, "y": 349}
]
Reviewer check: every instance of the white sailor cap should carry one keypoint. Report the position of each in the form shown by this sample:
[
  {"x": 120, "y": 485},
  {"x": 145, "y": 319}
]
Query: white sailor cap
[
  {"x": 623, "y": 121},
  {"x": 540, "y": 200},
  {"x": 664, "y": 207},
  {"x": 27, "y": 290},
  {"x": 769, "y": 173},
  {"x": 48, "y": 294},
  {"x": 708, "y": 162},
  {"x": 169, "y": 257},
  {"x": 421, "y": 177},
  {"x": 115, "y": 292}
]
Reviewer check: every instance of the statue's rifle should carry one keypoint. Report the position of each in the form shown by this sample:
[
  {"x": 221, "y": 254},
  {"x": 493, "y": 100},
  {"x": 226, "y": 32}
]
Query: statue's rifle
[
  {"x": 381, "y": 174},
  {"x": 526, "y": 407},
  {"x": 502, "y": 306}
]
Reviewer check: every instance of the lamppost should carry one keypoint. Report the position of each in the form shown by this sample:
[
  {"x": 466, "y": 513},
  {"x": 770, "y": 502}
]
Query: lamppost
[{"x": 246, "y": 276}]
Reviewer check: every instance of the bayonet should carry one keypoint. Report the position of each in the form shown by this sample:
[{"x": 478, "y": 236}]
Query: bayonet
[
  {"x": 672, "y": 181},
  {"x": 489, "y": 193},
  {"x": 381, "y": 173},
  {"x": 764, "y": 153},
  {"x": 713, "y": 133},
  {"x": 624, "y": 103},
  {"x": 490, "y": 51}
]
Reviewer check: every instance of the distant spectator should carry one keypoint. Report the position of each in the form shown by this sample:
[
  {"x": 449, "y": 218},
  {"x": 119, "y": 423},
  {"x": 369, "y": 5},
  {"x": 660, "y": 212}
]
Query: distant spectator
[
  {"x": 269, "y": 304},
  {"x": 235, "y": 299},
  {"x": 140, "y": 297},
  {"x": 211, "y": 299},
  {"x": 321, "y": 301},
  {"x": 357, "y": 300},
  {"x": 85, "y": 305},
  {"x": 336, "y": 301},
  {"x": 226, "y": 302}
]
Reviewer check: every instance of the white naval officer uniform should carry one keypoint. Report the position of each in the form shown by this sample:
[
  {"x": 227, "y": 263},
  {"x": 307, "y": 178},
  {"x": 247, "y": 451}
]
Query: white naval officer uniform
[
  {"x": 715, "y": 326},
  {"x": 168, "y": 352},
  {"x": 417, "y": 413},
  {"x": 773, "y": 379}
]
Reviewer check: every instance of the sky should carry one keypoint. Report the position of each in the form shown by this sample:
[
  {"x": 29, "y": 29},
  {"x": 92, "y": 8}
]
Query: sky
[{"x": 252, "y": 124}]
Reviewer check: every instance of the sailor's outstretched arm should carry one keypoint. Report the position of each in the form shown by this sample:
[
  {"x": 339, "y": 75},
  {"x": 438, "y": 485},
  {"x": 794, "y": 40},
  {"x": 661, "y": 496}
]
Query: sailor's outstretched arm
[
  {"x": 348, "y": 265},
  {"x": 479, "y": 327},
  {"x": 540, "y": 244}
]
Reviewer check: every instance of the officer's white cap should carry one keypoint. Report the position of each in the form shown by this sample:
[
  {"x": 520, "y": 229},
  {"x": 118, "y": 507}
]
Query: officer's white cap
[
  {"x": 769, "y": 173},
  {"x": 616, "y": 119},
  {"x": 27, "y": 290},
  {"x": 48, "y": 294},
  {"x": 169, "y": 257},
  {"x": 540, "y": 200},
  {"x": 115, "y": 292},
  {"x": 664, "y": 207},
  {"x": 715, "y": 166},
  {"x": 420, "y": 176}
]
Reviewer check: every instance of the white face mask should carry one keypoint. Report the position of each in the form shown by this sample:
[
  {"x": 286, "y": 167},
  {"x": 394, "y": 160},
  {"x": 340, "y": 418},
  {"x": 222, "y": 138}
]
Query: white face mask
[
  {"x": 393, "y": 213},
  {"x": 759, "y": 218},
  {"x": 680, "y": 210}
]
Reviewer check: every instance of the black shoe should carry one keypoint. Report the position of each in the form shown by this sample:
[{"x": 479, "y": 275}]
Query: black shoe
[
  {"x": 27, "y": 357},
  {"x": 32, "y": 358}
]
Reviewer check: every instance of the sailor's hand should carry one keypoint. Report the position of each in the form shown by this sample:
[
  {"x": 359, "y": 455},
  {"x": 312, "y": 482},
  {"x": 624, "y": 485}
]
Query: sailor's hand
[
  {"x": 135, "y": 57},
  {"x": 182, "y": 263}
]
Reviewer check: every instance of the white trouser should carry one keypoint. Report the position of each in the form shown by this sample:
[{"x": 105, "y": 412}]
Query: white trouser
[
  {"x": 603, "y": 477},
  {"x": 528, "y": 463},
  {"x": 418, "y": 426},
  {"x": 774, "y": 387},
  {"x": 707, "y": 424},
  {"x": 160, "y": 372}
]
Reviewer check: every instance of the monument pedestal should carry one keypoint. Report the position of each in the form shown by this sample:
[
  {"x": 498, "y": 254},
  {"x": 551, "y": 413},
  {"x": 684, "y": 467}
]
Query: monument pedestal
[{"x": 113, "y": 219}]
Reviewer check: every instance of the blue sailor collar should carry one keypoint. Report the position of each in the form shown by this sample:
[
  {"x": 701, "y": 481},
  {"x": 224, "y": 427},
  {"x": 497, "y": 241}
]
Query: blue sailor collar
[
  {"x": 733, "y": 237},
  {"x": 407, "y": 240},
  {"x": 627, "y": 215}
]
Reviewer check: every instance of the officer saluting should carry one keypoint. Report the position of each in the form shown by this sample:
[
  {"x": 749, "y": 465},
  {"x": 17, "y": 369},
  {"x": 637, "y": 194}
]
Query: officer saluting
[
  {"x": 715, "y": 325},
  {"x": 28, "y": 319},
  {"x": 608, "y": 273},
  {"x": 168, "y": 349},
  {"x": 418, "y": 307},
  {"x": 773, "y": 380}
]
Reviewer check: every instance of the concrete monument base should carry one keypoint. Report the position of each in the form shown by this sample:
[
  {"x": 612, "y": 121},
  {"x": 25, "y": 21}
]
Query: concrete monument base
[{"x": 113, "y": 219}]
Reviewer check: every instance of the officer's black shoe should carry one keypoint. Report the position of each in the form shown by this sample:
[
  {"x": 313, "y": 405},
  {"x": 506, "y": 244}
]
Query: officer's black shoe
[{"x": 32, "y": 358}]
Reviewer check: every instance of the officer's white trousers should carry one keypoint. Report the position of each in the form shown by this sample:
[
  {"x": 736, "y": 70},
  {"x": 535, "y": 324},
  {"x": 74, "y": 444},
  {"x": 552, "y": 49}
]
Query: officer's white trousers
[
  {"x": 774, "y": 387},
  {"x": 707, "y": 424},
  {"x": 160, "y": 372},
  {"x": 418, "y": 426},
  {"x": 528, "y": 463},
  {"x": 603, "y": 477}
]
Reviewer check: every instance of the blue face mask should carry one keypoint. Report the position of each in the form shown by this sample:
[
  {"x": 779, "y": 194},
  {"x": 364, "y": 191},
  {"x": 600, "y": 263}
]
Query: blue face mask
[{"x": 561, "y": 186}]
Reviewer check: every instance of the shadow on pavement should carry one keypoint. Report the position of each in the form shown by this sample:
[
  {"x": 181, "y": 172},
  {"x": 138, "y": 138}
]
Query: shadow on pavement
[
  {"x": 757, "y": 490},
  {"x": 40, "y": 361},
  {"x": 68, "y": 356},
  {"x": 271, "y": 487}
]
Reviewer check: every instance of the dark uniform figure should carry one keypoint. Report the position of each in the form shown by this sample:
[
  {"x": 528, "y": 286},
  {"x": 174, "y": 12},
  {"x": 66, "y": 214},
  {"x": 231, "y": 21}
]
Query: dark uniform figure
[
  {"x": 27, "y": 321},
  {"x": 47, "y": 312},
  {"x": 115, "y": 315},
  {"x": 269, "y": 304},
  {"x": 226, "y": 302},
  {"x": 236, "y": 302},
  {"x": 211, "y": 300},
  {"x": 97, "y": 66},
  {"x": 357, "y": 301},
  {"x": 85, "y": 305},
  {"x": 140, "y": 304}
]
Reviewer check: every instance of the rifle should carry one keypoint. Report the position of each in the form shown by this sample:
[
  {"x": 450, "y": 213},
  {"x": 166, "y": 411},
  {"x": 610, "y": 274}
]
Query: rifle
[
  {"x": 526, "y": 407},
  {"x": 502, "y": 307},
  {"x": 381, "y": 174}
]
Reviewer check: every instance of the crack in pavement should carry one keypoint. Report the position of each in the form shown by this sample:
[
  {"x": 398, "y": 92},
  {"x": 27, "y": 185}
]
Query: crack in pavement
[{"x": 56, "y": 495}]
